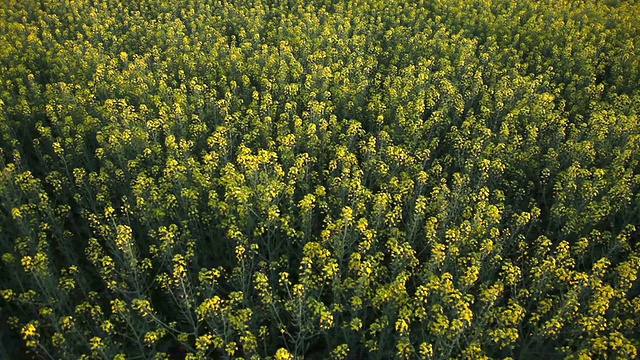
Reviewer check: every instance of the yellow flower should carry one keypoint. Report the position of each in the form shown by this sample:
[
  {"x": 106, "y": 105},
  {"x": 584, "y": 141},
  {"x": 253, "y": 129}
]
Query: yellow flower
[
  {"x": 426, "y": 350},
  {"x": 27, "y": 263},
  {"x": 284, "y": 279},
  {"x": 306, "y": 204},
  {"x": 203, "y": 342},
  {"x": 340, "y": 352},
  {"x": 249, "y": 342},
  {"x": 7, "y": 294},
  {"x": 30, "y": 333},
  {"x": 96, "y": 343},
  {"x": 118, "y": 306},
  {"x": 15, "y": 213},
  {"x": 240, "y": 250},
  {"x": 283, "y": 354},
  {"x": 347, "y": 214},
  {"x": 40, "y": 263},
  {"x": 401, "y": 326},
  {"x": 30, "y": 330},
  {"x": 107, "y": 326},
  {"x": 46, "y": 311},
  {"x": 109, "y": 210},
  {"x": 123, "y": 237},
  {"x": 150, "y": 338},
  {"x": 326, "y": 320},
  {"x": 439, "y": 254},
  {"x": 231, "y": 348},
  {"x": 207, "y": 307},
  {"x": 67, "y": 323},
  {"x": 356, "y": 324},
  {"x": 179, "y": 267},
  {"x": 142, "y": 306}
]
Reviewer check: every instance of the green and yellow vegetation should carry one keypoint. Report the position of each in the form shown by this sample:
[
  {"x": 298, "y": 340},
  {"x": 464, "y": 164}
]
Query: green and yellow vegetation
[{"x": 364, "y": 179}]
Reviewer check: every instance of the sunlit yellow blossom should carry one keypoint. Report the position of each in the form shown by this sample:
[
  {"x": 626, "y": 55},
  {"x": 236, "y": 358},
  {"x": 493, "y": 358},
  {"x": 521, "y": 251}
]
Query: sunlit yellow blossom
[
  {"x": 27, "y": 263},
  {"x": 283, "y": 354},
  {"x": 203, "y": 342},
  {"x": 7, "y": 294},
  {"x": 96, "y": 343},
  {"x": 108, "y": 211},
  {"x": 426, "y": 350},
  {"x": 231, "y": 348},
  {"x": 107, "y": 326},
  {"x": 208, "y": 307},
  {"x": 30, "y": 330}
]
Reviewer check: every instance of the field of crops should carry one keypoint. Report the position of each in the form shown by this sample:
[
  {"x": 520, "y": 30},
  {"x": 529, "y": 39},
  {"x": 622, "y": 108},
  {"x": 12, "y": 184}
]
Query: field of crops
[{"x": 289, "y": 179}]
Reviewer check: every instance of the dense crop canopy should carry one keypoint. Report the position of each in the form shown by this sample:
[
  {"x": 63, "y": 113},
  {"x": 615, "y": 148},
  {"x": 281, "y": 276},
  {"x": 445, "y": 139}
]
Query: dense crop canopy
[{"x": 365, "y": 179}]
